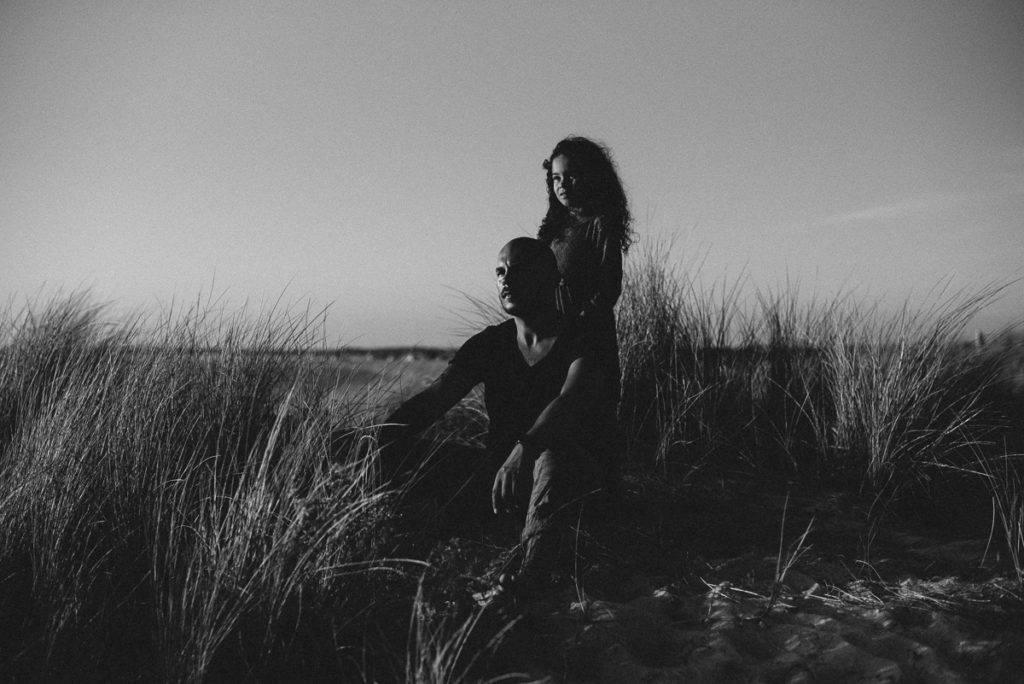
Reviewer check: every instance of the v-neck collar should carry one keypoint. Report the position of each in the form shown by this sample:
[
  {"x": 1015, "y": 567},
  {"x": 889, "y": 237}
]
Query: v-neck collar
[{"x": 519, "y": 351}]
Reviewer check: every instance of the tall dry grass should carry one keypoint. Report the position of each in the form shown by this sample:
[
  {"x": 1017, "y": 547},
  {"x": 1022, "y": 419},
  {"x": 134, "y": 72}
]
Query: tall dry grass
[
  {"x": 187, "y": 497},
  {"x": 443, "y": 653},
  {"x": 170, "y": 511},
  {"x": 1004, "y": 479},
  {"x": 821, "y": 389}
]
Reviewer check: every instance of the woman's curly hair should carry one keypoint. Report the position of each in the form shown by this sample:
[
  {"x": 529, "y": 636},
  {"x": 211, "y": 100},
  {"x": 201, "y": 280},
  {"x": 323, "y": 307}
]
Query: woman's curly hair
[{"x": 603, "y": 196}]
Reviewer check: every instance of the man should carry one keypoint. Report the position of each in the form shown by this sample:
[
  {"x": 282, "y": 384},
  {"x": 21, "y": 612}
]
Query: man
[{"x": 538, "y": 386}]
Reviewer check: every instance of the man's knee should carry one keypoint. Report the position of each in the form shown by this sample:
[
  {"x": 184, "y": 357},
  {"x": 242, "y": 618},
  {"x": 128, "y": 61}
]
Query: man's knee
[
  {"x": 566, "y": 465},
  {"x": 555, "y": 469},
  {"x": 556, "y": 474},
  {"x": 547, "y": 465}
]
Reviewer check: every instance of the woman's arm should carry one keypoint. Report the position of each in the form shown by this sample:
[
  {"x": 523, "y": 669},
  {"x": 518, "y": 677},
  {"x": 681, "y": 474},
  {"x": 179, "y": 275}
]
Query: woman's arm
[{"x": 609, "y": 273}]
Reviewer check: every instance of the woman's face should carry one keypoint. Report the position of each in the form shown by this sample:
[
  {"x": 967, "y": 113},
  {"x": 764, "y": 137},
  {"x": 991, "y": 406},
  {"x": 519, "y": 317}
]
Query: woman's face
[{"x": 566, "y": 183}]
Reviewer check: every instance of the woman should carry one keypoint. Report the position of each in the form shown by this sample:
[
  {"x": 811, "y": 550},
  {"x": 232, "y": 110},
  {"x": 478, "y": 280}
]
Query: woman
[{"x": 587, "y": 226}]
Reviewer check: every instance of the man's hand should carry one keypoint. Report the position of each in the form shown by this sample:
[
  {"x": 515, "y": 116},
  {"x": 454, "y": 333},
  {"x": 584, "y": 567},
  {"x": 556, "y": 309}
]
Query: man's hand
[{"x": 504, "y": 493}]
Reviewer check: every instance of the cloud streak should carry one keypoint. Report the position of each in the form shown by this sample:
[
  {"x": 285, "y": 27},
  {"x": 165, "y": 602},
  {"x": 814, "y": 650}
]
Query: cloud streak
[
  {"x": 922, "y": 205},
  {"x": 913, "y": 206}
]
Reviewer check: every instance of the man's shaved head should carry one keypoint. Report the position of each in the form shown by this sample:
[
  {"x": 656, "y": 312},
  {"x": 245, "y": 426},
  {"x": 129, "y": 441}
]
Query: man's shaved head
[
  {"x": 536, "y": 253},
  {"x": 527, "y": 275}
]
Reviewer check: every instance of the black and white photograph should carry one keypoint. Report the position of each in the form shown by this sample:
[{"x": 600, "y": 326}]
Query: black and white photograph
[{"x": 512, "y": 341}]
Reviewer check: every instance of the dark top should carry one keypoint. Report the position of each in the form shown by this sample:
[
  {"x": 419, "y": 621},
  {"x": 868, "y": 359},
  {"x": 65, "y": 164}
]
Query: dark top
[
  {"x": 591, "y": 268},
  {"x": 515, "y": 393}
]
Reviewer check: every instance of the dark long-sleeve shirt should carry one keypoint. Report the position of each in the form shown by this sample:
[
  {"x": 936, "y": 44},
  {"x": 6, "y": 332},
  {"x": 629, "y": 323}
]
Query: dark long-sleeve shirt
[{"x": 591, "y": 268}]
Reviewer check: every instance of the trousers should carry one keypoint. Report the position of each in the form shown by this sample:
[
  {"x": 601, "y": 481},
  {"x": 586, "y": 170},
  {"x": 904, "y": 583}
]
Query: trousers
[{"x": 562, "y": 480}]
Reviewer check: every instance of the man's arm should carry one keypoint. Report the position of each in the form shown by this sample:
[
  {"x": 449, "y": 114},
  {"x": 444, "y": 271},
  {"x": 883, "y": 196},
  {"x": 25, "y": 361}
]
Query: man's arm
[
  {"x": 562, "y": 415},
  {"x": 555, "y": 422},
  {"x": 420, "y": 411}
]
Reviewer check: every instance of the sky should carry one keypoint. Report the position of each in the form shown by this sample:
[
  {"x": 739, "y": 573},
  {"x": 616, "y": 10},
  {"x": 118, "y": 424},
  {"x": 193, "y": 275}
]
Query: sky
[{"x": 371, "y": 158}]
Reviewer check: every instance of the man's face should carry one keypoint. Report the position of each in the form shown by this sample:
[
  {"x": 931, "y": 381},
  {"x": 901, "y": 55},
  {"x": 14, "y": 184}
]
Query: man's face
[{"x": 521, "y": 279}]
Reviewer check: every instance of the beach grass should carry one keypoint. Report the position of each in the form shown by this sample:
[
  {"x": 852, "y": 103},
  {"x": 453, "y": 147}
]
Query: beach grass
[{"x": 196, "y": 495}]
